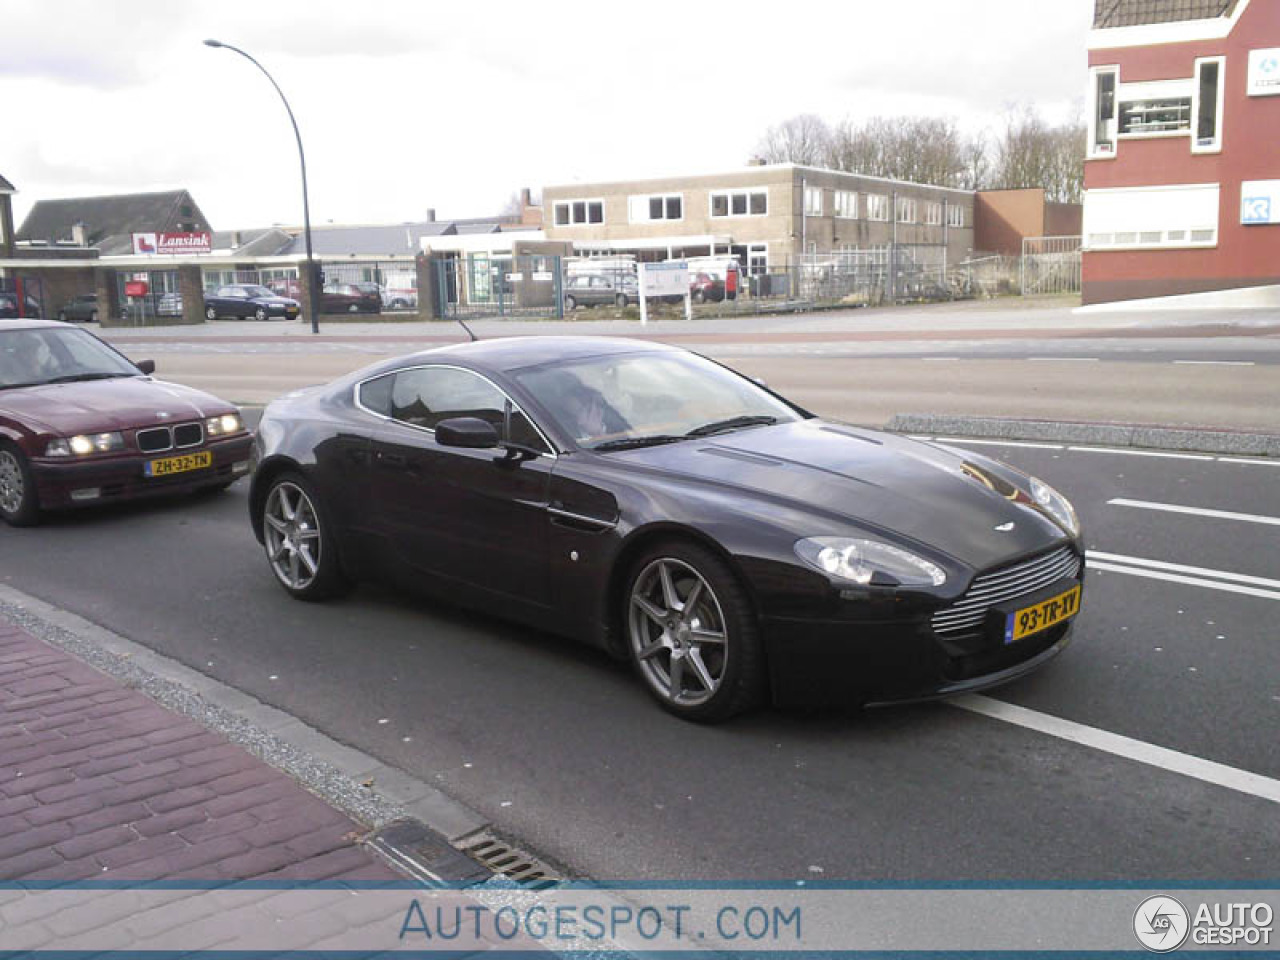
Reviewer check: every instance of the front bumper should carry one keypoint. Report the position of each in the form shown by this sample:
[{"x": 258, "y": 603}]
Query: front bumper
[
  {"x": 62, "y": 484},
  {"x": 856, "y": 662}
]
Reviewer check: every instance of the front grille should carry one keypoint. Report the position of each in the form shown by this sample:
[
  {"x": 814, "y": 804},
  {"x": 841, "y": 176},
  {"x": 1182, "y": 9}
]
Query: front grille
[
  {"x": 188, "y": 435},
  {"x": 967, "y": 614},
  {"x": 155, "y": 440}
]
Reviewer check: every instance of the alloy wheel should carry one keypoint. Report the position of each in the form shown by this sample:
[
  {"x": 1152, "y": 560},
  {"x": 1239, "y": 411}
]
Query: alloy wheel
[
  {"x": 677, "y": 632},
  {"x": 12, "y": 485},
  {"x": 293, "y": 538}
]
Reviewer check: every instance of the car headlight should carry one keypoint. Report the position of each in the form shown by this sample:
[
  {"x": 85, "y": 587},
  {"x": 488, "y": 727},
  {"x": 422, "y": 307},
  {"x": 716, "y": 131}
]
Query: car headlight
[
  {"x": 222, "y": 426},
  {"x": 860, "y": 560},
  {"x": 1056, "y": 505},
  {"x": 84, "y": 444}
]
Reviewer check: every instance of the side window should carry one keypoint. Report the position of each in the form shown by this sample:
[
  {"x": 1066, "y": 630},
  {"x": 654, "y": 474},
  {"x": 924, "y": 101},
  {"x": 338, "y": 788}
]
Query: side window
[
  {"x": 375, "y": 395},
  {"x": 425, "y": 396}
]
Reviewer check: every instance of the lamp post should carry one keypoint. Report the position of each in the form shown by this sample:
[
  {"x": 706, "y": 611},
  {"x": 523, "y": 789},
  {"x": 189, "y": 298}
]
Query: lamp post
[{"x": 302, "y": 158}]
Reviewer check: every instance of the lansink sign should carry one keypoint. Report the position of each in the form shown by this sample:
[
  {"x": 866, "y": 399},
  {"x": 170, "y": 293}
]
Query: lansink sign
[{"x": 172, "y": 244}]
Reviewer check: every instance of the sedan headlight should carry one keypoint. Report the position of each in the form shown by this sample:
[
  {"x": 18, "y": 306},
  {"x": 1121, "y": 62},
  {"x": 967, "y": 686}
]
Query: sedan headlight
[
  {"x": 860, "y": 560},
  {"x": 1056, "y": 505},
  {"x": 84, "y": 444},
  {"x": 222, "y": 426}
]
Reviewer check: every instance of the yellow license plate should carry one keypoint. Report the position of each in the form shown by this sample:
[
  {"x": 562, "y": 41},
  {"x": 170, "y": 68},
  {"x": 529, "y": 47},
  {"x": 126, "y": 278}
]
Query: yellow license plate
[
  {"x": 188, "y": 461},
  {"x": 1041, "y": 616}
]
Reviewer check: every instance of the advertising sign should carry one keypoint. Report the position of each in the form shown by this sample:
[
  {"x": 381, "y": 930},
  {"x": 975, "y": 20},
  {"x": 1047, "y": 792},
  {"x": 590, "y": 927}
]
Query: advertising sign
[
  {"x": 664, "y": 279},
  {"x": 172, "y": 243},
  {"x": 1264, "y": 73},
  {"x": 136, "y": 288},
  {"x": 1260, "y": 202}
]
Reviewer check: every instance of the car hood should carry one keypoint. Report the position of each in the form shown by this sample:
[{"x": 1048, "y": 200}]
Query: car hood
[
  {"x": 878, "y": 482},
  {"x": 93, "y": 406}
]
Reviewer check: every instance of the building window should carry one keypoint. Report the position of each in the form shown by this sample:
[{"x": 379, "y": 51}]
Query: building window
[
  {"x": 846, "y": 204},
  {"x": 813, "y": 201},
  {"x": 1160, "y": 108},
  {"x": 740, "y": 203},
  {"x": 645, "y": 208},
  {"x": 1137, "y": 217},
  {"x": 1102, "y": 128},
  {"x": 877, "y": 206},
  {"x": 1206, "y": 137},
  {"x": 907, "y": 210},
  {"x": 575, "y": 212},
  {"x": 955, "y": 215},
  {"x": 933, "y": 213}
]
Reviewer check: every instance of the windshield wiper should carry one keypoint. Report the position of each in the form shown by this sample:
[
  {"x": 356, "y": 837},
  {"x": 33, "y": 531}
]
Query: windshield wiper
[
  {"x": 74, "y": 377},
  {"x": 631, "y": 443},
  {"x": 732, "y": 423}
]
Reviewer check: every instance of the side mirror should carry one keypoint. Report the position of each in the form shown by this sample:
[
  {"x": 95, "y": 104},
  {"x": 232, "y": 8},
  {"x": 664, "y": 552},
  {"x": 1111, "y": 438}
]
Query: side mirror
[
  {"x": 470, "y": 432},
  {"x": 146, "y": 366}
]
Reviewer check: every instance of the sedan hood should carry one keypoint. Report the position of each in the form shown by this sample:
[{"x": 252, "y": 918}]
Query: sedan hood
[
  {"x": 94, "y": 406},
  {"x": 879, "y": 482}
]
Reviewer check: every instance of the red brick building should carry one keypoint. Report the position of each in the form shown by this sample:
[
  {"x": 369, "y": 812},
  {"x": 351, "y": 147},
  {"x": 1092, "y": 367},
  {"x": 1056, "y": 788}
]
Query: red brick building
[{"x": 1182, "y": 177}]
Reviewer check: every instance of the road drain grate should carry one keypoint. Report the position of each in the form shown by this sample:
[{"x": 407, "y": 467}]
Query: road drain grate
[{"x": 500, "y": 857}]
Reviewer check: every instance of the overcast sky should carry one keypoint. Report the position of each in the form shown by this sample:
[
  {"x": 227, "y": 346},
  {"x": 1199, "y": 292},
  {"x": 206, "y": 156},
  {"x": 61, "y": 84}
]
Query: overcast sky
[{"x": 455, "y": 105}]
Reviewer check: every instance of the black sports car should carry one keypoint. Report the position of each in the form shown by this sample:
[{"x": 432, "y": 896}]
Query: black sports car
[{"x": 653, "y": 502}]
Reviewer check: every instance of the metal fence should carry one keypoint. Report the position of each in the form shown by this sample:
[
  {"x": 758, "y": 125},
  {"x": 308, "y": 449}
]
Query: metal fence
[
  {"x": 394, "y": 281},
  {"x": 22, "y": 296},
  {"x": 526, "y": 287},
  {"x": 1050, "y": 265}
]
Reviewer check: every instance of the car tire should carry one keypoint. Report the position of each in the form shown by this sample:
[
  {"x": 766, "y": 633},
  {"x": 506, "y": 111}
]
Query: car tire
[
  {"x": 699, "y": 296},
  {"x": 93, "y": 316},
  {"x": 260, "y": 314},
  {"x": 210, "y": 313},
  {"x": 570, "y": 304},
  {"x": 354, "y": 308},
  {"x": 298, "y": 538},
  {"x": 704, "y": 664},
  {"x": 62, "y": 317},
  {"x": 19, "y": 501}
]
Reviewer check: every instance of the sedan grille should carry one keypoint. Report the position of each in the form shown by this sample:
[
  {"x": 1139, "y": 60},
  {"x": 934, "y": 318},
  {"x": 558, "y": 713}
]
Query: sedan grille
[
  {"x": 188, "y": 435},
  {"x": 968, "y": 613},
  {"x": 155, "y": 440}
]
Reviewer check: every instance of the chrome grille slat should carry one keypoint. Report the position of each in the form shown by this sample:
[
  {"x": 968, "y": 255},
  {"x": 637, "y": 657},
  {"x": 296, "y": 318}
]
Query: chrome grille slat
[{"x": 990, "y": 589}]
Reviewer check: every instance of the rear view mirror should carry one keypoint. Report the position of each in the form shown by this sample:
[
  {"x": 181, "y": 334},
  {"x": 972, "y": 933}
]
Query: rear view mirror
[
  {"x": 470, "y": 432},
  {"x": 146, "y": 366}
]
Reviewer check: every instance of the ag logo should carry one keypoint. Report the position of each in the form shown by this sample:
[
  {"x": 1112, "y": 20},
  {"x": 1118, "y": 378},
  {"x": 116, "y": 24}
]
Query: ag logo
[{"x": 1161, "y": 924}]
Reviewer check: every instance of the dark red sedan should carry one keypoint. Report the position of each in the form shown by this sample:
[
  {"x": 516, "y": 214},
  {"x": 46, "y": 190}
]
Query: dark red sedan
[{"x": 81, "y": 424}]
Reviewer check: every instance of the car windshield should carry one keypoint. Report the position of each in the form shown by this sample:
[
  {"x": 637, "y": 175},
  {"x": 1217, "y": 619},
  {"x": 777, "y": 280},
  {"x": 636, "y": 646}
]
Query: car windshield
[
  {"x": 259, "y": 292},
  {"x": 637, "y": 399},
  {"x": 48, "y": 355}
]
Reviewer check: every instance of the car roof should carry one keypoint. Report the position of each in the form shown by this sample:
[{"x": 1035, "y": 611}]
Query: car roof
[
  {"x": 506, "y": 354},
  {"x": 30, "y": 323}
]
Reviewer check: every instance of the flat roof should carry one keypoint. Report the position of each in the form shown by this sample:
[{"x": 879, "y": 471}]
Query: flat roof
[{"x": 774, "y": 167}]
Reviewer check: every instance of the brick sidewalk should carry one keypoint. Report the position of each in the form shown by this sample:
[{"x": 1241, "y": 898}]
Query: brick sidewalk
[{"x": 98, "y": 781}]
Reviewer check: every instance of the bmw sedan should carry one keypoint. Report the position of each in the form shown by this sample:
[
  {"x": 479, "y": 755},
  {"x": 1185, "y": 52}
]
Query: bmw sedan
[
  {"x": 732, "y": 546},
  {"x": 81, "y": 424}
]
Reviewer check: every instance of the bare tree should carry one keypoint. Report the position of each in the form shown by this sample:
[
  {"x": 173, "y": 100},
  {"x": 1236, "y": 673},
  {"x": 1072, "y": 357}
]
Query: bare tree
[
  {"x": 920, "y": 149},
  {"x": 803, "y": 139},
  {"x": 1031, "y": 153}
]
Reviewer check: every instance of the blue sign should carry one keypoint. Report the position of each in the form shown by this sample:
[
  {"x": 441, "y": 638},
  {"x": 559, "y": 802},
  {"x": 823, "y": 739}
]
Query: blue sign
[{"x": 1256, "y": 210}]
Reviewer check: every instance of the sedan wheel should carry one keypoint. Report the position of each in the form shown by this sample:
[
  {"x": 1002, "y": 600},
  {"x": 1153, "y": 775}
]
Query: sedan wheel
[
  {"x": 298, "y": 542},
  {"x": 569, "y": 304},
  {"x": 691, "y": 634},
  {"x": 210, "y": 313},
  {"x": 260, "y": 314},
  {"x": 18, "y": 504},
  {"x": 354, "y": 308}
]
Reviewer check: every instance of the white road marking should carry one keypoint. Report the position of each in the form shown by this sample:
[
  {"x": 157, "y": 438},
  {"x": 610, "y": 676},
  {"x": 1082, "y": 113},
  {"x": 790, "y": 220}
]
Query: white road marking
[
  {"x": 1182, "y": 568},
  {"x": 1207, "y": 771},
  {"x": 1143, "y": 453},
  {"x": 1076, "y": 359},
  {"x": 1216, "y": 363},
  {"x": 1180, "y": 578},
  {"x": 1195, "y": 511},
  {"x": 1264, "y": 463},
  {"x": 1002, "y": 443}
]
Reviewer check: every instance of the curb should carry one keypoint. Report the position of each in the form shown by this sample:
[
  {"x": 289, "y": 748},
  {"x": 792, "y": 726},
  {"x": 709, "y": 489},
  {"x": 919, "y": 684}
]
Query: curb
[
  {"x": 1093, "y": 434},
  {"x": 359, "y": 785}
]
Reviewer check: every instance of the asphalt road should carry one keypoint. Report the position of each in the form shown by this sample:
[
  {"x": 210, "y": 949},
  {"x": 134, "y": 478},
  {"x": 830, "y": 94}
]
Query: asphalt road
[{"x": 561, "y": 748}]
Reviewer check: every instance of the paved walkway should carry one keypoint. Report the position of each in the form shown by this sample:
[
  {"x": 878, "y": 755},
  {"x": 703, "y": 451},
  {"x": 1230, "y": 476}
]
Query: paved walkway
[{"x": 97, "y": 781}]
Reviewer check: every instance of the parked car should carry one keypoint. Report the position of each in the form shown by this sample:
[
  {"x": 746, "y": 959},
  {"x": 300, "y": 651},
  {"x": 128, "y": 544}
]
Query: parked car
[
  {"x": 9, "y": 305},
  {"x": 82, "y": 308},
  {"x": 657, "y": 504},
  {"x": 81, "y": 424},
  {"x": 349, "y": 298},
  {"x": 249, "y": 300},
  {"x": 704, "y": 287},
  {"x": 400, "y": 298},
  {"x": 595, "y": 289}
]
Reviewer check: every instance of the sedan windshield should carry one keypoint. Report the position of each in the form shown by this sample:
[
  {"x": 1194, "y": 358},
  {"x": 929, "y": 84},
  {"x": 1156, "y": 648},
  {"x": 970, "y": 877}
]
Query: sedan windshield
[
  {"x": 260, "y": 292},
  {"x": 632, "y": 400},
  {"x": 56, "y": 355}
]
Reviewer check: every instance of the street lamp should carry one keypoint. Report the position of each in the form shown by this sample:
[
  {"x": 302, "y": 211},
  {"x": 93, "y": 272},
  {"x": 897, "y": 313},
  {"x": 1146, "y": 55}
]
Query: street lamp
[{"x": 302, "y": 157}]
